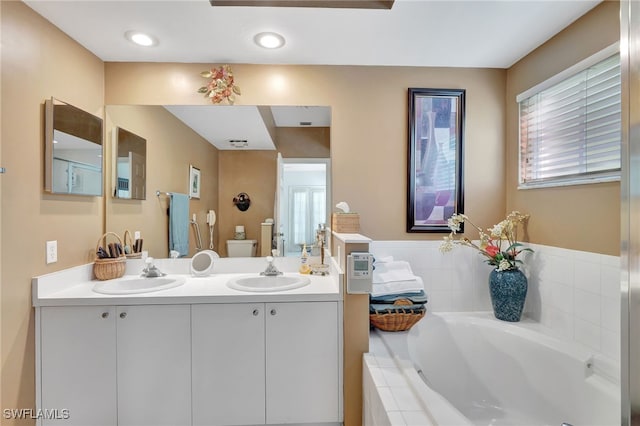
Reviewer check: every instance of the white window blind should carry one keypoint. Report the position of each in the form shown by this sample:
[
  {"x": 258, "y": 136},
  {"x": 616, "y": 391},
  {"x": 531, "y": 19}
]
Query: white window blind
[{"x": 570, "y": 131}]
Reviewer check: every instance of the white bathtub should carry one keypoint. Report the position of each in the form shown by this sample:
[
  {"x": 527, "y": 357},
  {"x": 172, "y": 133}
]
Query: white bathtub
[{"x": 471, "y": 369}]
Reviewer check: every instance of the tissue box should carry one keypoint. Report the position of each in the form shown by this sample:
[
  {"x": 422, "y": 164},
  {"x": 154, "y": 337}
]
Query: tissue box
[{"x": 347, "y": 223}]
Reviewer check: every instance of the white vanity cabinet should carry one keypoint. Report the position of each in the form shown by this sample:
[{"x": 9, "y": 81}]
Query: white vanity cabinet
[
  {"x": 154, "y": 365},
  {"x": 270, "y": 363},
  {"x": 126, "y": 365},
  {"x": 78, "y": 364},
  {"x": 228, "y": 364},
  {"x": 302, "y": 359}
]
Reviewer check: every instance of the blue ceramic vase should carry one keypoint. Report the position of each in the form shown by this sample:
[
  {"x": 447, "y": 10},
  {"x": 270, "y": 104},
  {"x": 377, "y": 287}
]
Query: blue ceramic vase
[{"x": 508, "y": 291}]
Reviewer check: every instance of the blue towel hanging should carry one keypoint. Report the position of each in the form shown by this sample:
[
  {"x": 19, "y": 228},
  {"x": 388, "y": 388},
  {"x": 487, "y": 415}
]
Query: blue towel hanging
[{"x": 179, "y": 224}]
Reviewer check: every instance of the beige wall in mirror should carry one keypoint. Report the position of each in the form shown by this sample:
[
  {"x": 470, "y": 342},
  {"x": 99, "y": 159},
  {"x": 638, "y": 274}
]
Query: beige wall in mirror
[
  {"x": 254, "y": 172},
  {"x": 171, "y": 147}
]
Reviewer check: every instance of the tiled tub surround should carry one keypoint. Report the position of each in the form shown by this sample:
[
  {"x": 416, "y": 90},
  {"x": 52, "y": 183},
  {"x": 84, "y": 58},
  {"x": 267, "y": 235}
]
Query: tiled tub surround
[
  {"x": 575, "y": 295},
  {"x": 478, "y": 370}
]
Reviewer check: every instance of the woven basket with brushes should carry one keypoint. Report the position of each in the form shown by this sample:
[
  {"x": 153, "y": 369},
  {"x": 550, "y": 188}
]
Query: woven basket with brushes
[
  {"x": 108, "y": 268},
  {"x": 397, "y": 319},
  {"x": 128, "y": 242}
]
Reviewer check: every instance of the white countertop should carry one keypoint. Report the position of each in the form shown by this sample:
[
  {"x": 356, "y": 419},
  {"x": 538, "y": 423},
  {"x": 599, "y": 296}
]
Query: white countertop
[
  {"x": 351, "y": 238},
  {"x": 74, "y": 287}
]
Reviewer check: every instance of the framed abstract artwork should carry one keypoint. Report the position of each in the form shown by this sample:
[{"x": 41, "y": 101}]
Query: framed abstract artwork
[{"x": 435, "y": 158}]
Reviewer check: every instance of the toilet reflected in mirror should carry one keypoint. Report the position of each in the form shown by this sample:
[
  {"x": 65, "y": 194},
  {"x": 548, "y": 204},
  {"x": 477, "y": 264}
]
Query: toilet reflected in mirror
[
  {"x": 241, "y": 248},
  {"x": 202, "y": 263}
]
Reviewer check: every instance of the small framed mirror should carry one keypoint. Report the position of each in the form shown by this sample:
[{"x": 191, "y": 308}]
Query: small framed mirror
[
  {"x": 73, "y": 150},
  {"x": 130, "y": 165}
]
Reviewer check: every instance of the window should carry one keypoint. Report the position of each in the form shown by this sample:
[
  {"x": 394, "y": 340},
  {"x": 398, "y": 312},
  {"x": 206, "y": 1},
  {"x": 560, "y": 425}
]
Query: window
[
  {"x": 570, "y": 125},
  {"x": 308, "y": 209}
]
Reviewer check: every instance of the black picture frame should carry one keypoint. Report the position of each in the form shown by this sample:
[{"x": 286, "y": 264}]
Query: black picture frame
[{"x": 435, "y": 158}]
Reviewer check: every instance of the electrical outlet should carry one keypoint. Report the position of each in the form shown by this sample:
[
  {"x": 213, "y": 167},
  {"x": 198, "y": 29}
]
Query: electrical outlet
[
  {"x": 52, "y": 251},
  {"x": 136, "y": 235}
]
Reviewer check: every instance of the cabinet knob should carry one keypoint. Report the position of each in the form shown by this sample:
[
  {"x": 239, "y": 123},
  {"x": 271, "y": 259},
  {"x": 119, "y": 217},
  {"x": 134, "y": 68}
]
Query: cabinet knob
[
  {"x": 273, "y": 312},
  {"x": 255, "y": 312},
  {"x": 105, "y": 315},
  {"x": 123, "y": 315}
]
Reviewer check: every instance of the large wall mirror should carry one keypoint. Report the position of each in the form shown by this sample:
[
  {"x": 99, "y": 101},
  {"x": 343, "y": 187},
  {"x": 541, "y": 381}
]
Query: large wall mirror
[
  {"x": 73, "y": 150},
  {"x": 130, "y": 165},
  {"x": 236, "y": 150}
]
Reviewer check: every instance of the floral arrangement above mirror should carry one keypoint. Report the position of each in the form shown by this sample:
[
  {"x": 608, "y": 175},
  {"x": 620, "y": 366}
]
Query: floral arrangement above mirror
[{"x": 221, "y": 86}]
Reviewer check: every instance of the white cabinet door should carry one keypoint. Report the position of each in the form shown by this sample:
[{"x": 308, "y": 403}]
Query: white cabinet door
[
  {"x": 154, "y": 365},
  {"x": 78, "y": 364},
  {"x": 228, "y": 364},
  {"x": 302, "y": 362}
]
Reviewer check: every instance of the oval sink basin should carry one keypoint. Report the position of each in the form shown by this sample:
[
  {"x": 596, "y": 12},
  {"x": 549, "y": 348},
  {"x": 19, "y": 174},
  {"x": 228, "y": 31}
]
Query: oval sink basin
[
  {"x": 258, "y": 283},
  {"x": 137, "y": 285}
]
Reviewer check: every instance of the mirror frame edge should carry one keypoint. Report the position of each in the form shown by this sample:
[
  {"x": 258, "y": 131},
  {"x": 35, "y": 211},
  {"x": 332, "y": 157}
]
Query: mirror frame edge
[
  {"x": 49, "y": 128},
  {"x": 48, "y": 145}
]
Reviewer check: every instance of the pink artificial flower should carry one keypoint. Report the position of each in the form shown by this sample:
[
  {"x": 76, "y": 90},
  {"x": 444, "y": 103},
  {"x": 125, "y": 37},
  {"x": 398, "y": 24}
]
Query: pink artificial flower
[{"x": 492, "y": 250}]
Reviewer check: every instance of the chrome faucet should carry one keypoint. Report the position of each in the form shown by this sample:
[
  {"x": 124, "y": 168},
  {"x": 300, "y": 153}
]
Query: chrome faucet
[
  {"x": 150, "y": 270},
  {"x": 271, "y": 270}
]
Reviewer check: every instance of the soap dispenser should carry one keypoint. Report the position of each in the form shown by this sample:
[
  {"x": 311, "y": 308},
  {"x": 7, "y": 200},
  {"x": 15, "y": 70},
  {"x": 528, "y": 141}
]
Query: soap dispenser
[{"x": 304, "y": 261}]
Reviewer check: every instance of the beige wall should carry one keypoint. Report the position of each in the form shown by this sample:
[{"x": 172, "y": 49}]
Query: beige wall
[
  {"x": 584, "y": 217},
  {"x": 1, "y": 252},
  {"x": 368, "y": 149},
  {"x": 368, "y": 126},
  {"x": 171, "y": 148},
  {"x": 38, "y": 62}
]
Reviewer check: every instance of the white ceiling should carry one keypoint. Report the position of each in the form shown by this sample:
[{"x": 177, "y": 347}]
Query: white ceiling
[
  {"x": 219, "y": 124},
  {"x": 443, "y": 33},
  {"x": 449, "y": 33}
]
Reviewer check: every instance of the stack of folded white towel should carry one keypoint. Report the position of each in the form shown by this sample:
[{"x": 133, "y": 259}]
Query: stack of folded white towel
[{"x": 394, "y": 280}]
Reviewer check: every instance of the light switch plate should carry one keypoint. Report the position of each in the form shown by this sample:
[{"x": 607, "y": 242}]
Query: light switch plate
[{"x": 52, "y": 251}]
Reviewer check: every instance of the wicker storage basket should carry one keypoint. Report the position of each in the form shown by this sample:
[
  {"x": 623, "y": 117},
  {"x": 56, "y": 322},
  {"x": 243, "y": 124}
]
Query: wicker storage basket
[
  {"x": 398, "y": 319},
  {"x": 109, "y": 268},
  {"x": 131, "y": 255},
  {"x": 346, "y": 223}
]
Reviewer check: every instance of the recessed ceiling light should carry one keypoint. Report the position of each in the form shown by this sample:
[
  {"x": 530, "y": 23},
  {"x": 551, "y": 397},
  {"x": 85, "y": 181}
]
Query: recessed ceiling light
[
  {"x": 269, "y": 40},
  {"x": 141, "y": 39}
]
